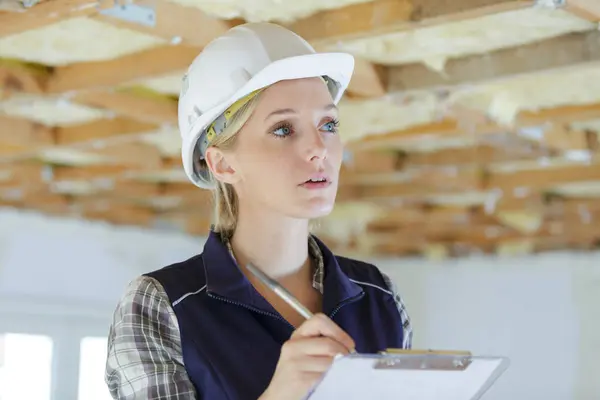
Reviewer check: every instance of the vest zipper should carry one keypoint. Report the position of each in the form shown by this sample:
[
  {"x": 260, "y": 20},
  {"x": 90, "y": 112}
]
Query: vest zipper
[
  {"x": 346, "y": 302},
  {"x": 256, "y": 310}
]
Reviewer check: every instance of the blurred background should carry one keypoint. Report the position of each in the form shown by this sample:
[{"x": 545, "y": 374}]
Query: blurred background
[{"x": 471, "y": 177}]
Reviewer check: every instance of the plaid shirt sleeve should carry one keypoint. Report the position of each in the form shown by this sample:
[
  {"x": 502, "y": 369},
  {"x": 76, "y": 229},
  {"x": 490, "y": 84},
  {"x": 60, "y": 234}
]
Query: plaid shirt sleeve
[
  {"x": 406, "y": 323},
  {"x": 144, "y": 358}
]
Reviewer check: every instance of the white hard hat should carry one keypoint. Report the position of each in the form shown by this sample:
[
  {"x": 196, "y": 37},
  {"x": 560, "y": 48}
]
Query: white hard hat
[{"x": 246, "y": 58}]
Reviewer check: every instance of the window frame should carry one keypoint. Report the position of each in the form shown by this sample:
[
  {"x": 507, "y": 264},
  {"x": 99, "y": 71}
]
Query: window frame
[{"x": 66, "y": 325}]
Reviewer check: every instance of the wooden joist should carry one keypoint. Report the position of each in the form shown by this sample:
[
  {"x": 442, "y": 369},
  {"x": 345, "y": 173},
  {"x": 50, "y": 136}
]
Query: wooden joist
[
  {"x": 152, "y": 109},
  {"x": 562, "y": 52},
  {"x": 104, "y": 129},
  {"x": 130, "y": 68},
  {"x": 174, "y": 22},
  {"x": 383, "y": 16},
  {"x": 17, "y": 77},
  {"x": 588, "y": 9},
  {"x": 47, "y": 13}
]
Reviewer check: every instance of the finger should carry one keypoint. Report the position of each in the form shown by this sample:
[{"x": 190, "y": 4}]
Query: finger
[
  {"x": 321, "y": 325},
  {"x": 319, "y": 346},
  {"x": 314, "y": 364},
  {"x": 310, "y": 378}
]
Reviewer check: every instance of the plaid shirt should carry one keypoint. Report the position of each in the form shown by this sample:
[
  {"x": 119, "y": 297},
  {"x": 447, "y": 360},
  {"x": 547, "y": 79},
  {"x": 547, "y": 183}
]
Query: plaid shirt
[{"x": 145, "y": 359}]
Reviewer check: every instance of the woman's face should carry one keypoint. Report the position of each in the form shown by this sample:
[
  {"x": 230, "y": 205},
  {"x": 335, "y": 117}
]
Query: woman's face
[{"x": 288, "y": 155}]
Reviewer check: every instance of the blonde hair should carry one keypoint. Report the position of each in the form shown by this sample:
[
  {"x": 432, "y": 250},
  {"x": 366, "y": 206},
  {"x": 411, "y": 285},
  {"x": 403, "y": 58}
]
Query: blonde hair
[{"x": 225, "y": 212}]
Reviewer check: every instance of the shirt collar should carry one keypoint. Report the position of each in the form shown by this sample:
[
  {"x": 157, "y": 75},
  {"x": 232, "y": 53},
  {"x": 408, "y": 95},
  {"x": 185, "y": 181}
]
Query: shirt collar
[
  {"x": 314, "y": 252},
  {"x": 223, "y": 276}
]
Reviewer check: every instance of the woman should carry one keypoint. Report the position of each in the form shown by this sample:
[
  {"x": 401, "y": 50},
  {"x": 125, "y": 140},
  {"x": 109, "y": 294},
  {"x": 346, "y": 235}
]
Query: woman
[{"x": 259, "y": 123}]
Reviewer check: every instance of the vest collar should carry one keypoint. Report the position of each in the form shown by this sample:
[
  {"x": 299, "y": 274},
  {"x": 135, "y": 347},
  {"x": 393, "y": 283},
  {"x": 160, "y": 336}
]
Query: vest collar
[
  {"x": 224, "y": 278},
  {"x": 337, "y": 287}
]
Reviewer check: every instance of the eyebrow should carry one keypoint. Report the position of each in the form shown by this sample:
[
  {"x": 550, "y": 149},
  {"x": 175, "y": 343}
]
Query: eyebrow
[{"x": 283, "y": 111}]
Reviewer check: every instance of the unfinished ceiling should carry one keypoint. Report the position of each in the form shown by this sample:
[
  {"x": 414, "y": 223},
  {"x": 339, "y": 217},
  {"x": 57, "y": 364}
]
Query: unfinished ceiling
[{"x": 471, "y": 125}]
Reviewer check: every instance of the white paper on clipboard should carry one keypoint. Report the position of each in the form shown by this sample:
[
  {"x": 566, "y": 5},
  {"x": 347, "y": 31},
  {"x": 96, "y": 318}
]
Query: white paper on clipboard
[{"x": 409, "y": 377}]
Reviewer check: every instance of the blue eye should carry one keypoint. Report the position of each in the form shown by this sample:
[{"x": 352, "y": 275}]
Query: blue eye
[
  {"x": 283, "y": 130},
  {"x": 331, "y": 126}
]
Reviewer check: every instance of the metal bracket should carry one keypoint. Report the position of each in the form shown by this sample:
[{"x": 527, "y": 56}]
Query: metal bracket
[
  {"x": 29, "y": 3},
  {"x": 550, "y": 3},
  {"x": 132, "y": 13}
]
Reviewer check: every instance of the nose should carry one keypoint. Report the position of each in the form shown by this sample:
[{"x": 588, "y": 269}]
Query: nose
[{"x": 316, "y": 148}]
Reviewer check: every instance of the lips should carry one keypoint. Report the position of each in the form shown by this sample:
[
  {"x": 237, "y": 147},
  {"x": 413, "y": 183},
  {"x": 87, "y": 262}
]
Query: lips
[
  {"x": 317, "y": 181},
  {"x": 317, "y": 178}
]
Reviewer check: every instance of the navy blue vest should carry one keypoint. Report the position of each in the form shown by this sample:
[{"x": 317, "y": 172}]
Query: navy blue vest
[{"x": 231, "y": 336}]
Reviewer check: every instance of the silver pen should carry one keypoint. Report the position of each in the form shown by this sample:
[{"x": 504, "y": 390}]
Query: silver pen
[
  {"x": 283, "y": 293},
  {"x": 280, "y": 291}
]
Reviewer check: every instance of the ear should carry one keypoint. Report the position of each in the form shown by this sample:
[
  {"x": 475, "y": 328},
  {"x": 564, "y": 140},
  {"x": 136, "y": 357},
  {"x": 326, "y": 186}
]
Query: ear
[{"x": 217, "y": 162}]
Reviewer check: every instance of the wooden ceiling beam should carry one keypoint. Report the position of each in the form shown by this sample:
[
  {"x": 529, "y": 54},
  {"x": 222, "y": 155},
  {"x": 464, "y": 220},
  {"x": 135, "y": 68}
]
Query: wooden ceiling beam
[
  {"x": 17, "y": 77},
  {"x": 149, "y": 109},
  {"x": 175, "y": 22},
  {"x": 559, "y": 137},
  {"x": 104, "y": 129},
  {"x": 19, "y": 176},
  {"x": 542, "y": 178},
  {"x": 157, "y": 61},
  {"x": 87, "y": 172},
  {"x": 21, "y": 138},
  {"x": 564, "y": 51},
  {"x": 484, "y": 237},
  {"x": 172, "y": 162},
  {"x": 478, "y": 234},
  {"x": 120, "y": 214},
  {"x": 383, "y": 16},
  {"x": 371, "y": 161},
  {"x": 127, "y": 188},
  {"x": 407, "y": 217},
  {"x": 22, "y": 132},
  {"x": 355, "y": 20},
  {"x": 449, "y": 127},
  {"x": 368, "y": 80},
  {"x": 471, "y": 155},
  {"x": 561, "y": 114},
  {"x": 389, "y": 160},
  {"x": 134, "y": 154},
  {"x": 587, "y": 9},
  {"x": 414, "y": 183},
  {"x": 160, "y": 196},
  {"x": 377, "y": 17},
  {"x": 510, "y": 202},
  {"x": 10, "y": 151},
  {"x": 39, "y": 199},
  {"x": 47, "y": 13}
]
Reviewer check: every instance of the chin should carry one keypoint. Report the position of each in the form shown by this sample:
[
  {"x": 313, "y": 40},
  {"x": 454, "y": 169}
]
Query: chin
[{"x": 315, "y": 208}]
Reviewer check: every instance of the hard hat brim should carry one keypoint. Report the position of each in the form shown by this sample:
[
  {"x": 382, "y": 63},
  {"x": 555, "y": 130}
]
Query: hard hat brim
[{"x": 337, "y": 66}]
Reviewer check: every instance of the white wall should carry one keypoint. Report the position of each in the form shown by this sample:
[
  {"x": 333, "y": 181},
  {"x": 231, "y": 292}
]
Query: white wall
[
  {"x": 543, "y": 311},
  {"x": 63, "y": 277}
]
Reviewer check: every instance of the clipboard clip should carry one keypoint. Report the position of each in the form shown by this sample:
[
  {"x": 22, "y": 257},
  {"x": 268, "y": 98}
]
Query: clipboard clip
[{"x": 430, "y": 360}]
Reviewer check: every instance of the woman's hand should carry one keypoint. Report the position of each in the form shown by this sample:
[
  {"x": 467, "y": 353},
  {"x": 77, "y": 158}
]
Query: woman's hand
[{"x": 305, "y": 357}]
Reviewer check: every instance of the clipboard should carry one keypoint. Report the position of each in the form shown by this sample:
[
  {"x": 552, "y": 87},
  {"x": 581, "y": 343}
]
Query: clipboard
[{"x": 410, "y": 375}]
